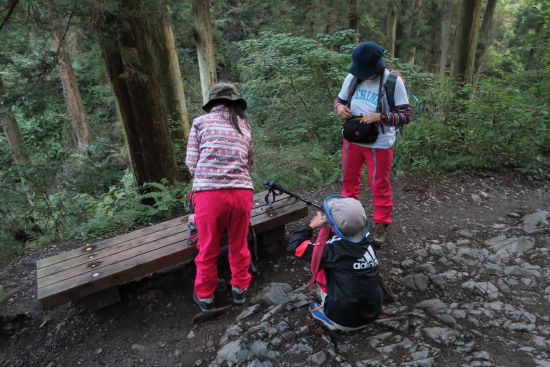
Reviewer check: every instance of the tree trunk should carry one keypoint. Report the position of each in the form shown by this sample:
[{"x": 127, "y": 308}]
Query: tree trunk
[
  {"x": 444, "y": 38},
  {"x": 12, "y": 131},
  {"x": 391, "y": 27},
  {"x": 14, "y": 137},
  {"x": 412, "y": 50},
  {"x": 530, "y": 63},
  {"x": 128, "y": 50},
  {"x": 330, "y": 25},
  {"x": 169, "y": 73},
  {"x": 465, "y": 47},
  {"x": 66, "y": 72},
  {"x": 485, "y": 32},
  {"x": 354, "y": 18},
  {"x": 205, "y": 46}
]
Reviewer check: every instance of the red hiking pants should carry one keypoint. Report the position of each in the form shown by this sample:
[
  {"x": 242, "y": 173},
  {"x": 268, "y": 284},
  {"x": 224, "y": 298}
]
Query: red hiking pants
[
  {"x": 379, "y": 162},
  {"x": 216, "y": 211}
]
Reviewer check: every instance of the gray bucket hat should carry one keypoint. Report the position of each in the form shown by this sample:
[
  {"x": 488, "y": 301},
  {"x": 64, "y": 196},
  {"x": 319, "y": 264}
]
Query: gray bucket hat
[
  {"x": 346, "y": 217},
  {"x": 223, "y": 92}
]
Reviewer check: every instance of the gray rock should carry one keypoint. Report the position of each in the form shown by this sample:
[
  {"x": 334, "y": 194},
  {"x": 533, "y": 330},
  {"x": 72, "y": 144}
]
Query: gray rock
[
  {"x": 510, "y": 247},
  {"x": 482, "y": 355},
  {"x": 249, "y": 311},
  {"x": 518, "y": 326},
  {"x": 517, "y": 271},
  {"x": 278, "y": 308},
  {"x": 421, "y": 281},
  {"x": 283, "y": 286},
  {"x": 232, "y": 330},
  {"x": 503, "y": 287},
  {"x": 461, "y": 314},
  {"x": 432, "y": 305},
  {"x": 191, "y": 334},
  {"x": 300, "y": 348},
  {"x": 447, "y": 319},
  {"x": 420, "y": 254},
  {"x": 375, "y": 340},
  {"x": 255, "y": 363},
  {"x": 547, "y": 290},
  {"x": 437, "y": 280},
  {"x": 275, "y": 342},
  {"x": 486, "y": 289},
  {"x": 427, "y": 362},
  {"x": 436, "y": 250},
  {"x": 428, "y": 268},
  {"x": 234, "y": 351},
  {"x": 476, "y": 199},
  {"x": 536, "y": 221},
  {"x": 440, "y": 335},
  {"x": 465, "y": 233},
  {"x": 318, "y": 358},
  {"x": 419, "y": 355},
  {"x": 260, "y": 348},
  {"x": 464, "y": 348},
  {"x": 272, "y": 296}
]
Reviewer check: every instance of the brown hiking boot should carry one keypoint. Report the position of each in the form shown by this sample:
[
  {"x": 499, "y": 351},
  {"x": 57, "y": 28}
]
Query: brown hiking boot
[{"x": 379, "y": 234}]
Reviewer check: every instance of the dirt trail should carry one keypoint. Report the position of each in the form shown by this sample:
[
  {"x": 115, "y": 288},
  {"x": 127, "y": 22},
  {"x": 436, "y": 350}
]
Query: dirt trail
[{"x": 494, "y": 308}]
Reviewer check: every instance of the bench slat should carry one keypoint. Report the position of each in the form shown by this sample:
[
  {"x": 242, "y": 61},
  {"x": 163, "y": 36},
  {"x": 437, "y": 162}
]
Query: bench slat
[
  {"x": 114, "y": 254},
  {"x": 119, "y": 273},
  {"x": 122, "y": 260},
  {"x": 258, "y": 198}
]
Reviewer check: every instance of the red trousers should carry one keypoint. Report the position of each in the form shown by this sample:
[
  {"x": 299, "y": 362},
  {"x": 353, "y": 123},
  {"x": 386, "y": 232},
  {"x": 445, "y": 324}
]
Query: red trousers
[
  {"x": 379, "y": 162},
  {"x": 216, "y": 211}
]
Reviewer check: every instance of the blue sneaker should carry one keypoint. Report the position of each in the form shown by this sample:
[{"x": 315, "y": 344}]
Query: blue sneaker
[
  {"x": 318, "y": 313},
  {"x": 204, "y": 303},
  {"x": 239, "y": 295}
]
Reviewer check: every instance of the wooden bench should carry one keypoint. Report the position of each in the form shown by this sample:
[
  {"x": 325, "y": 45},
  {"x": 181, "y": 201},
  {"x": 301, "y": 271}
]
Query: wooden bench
[{"x": 94, "y": 271}]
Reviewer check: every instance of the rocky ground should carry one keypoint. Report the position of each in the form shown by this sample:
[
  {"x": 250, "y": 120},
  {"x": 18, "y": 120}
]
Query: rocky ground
[{"x": 469, "y": 259}]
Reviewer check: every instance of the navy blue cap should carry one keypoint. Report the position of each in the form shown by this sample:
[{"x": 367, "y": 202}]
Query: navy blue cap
[{"x": 367, "y": 60}]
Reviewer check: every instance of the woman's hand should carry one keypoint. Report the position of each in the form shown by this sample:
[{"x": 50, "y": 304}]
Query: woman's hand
[
  {"x": 343, "y": 111},
  {"x": 370, "y": 118},
  {"x": 317, "y": 221}
]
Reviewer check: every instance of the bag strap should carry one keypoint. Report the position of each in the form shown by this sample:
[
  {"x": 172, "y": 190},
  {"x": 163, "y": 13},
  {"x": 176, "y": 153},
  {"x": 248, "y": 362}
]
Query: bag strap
[
  {"x": 390, "y": 89},
  {"x": 317, "y": 255},
  {"x": 351, "y": 90},
  {"x": 380, "y": 105}
]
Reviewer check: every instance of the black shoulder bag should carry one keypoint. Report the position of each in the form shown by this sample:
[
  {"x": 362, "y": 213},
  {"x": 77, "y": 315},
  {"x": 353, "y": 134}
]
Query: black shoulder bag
[{"x": 356, "y": 132}]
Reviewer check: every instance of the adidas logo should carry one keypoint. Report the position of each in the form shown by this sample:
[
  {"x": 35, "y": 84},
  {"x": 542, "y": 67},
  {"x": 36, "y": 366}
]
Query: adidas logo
[{"x": 368, "y": 260}]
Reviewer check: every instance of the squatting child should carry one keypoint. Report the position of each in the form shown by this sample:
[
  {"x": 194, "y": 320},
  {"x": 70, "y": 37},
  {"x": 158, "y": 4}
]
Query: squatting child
[{"x": 348, "y": 282}]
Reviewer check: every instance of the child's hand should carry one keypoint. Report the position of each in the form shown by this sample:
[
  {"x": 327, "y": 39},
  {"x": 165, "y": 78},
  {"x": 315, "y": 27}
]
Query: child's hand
[{"x": 317, "y": 221}]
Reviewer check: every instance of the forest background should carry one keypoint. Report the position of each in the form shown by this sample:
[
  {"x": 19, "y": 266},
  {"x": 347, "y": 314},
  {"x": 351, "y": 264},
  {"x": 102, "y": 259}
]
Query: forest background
[{"x": 97, "y": 97}]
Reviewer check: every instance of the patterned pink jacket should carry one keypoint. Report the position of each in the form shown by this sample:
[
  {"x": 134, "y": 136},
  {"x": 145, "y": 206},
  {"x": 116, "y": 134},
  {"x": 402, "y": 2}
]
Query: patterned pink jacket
[{"x": 218, "y": 156}]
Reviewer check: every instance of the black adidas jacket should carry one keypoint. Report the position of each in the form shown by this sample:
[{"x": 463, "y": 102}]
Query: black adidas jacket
[{"x": 354, "y": 295}]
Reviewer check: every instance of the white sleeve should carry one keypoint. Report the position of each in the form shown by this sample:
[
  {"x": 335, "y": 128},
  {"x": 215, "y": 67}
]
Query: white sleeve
[
  {"x": 400, "y": 96},
  {"x": 344, "y": 91}
]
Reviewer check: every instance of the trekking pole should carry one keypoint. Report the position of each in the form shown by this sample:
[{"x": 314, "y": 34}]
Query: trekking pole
[{"x": 276, "y": 189}]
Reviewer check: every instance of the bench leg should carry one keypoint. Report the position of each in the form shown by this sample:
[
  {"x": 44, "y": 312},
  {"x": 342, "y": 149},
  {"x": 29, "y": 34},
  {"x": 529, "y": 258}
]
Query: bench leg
[
  {"x": 102, "y": 299},
  {"x": 273, "y": 242}
]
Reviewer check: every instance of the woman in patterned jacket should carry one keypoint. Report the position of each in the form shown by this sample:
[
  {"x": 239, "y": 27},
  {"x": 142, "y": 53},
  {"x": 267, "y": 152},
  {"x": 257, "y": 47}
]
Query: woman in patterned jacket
[{"x": 219, "y": 157}]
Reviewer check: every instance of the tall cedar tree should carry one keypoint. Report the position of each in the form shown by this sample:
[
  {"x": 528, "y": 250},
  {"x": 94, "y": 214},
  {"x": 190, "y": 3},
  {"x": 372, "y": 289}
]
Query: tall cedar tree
[
  {"x": 205, "y": 46},
  {"x": 485, "y": 32},
  {"x": 465, "y": 47},
  {"x": 168, "y": 69},
  {"x": 391, "y": 27},
  {"x": 129, "y": 53},
  {"x": 444, "y": 37},
  {"x": 66, "y": 72},
  {"x": 12, "y": 131}
]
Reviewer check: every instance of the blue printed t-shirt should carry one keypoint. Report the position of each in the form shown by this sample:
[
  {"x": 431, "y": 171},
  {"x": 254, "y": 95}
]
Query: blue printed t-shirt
[{"x": 365, "y": 100}]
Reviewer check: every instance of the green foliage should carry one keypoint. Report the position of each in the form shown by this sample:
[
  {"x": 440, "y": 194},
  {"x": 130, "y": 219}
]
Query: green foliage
[
  {"x": 497, "y": 127},
  {"x": 291, "y": 83}
]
